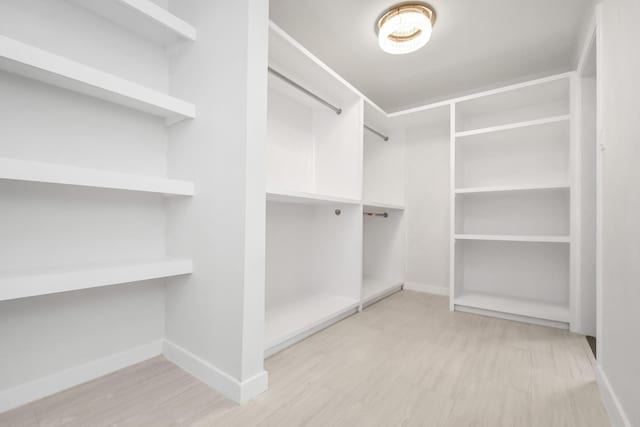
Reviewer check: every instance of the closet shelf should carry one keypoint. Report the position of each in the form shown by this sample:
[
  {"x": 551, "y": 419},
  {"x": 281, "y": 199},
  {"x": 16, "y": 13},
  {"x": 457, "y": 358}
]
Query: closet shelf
[
  {"x": 514, "y": 306},
  {"x": 287, "y": 321},
  {"x": 514, "y": 238},
  {"x": 510, "y": 126},
  {"x": 372, "y": 289},
  {"x": 143, "y": 17},
  {"x": 24, "y": 283},
  {"x": 309, "y": 198},
  {"x": 37, "y": 64},
  {"x": 505, "y": 188},
  {"x": 50, "y": 173},
  {"x": 378, "y": 205}
]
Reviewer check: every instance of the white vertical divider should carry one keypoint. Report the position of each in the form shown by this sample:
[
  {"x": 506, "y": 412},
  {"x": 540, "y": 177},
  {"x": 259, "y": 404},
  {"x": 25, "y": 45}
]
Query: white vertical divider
[
  {"x": 575, "y": 171},
  {"x": 452, "y": 206},
  {"x": 214, "y": 318}
]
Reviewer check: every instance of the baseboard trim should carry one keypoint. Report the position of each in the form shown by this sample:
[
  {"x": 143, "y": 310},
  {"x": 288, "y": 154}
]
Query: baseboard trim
[
  {"x": 60, "y": 381},
  {"x": 221, "y": 381},
  {"x": 617, "y": 416},
  {"x": 427, "y": 289}
]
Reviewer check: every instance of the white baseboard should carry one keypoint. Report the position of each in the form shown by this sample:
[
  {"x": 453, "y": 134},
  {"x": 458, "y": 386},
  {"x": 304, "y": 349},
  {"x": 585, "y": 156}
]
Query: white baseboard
[
  {"x": 42, "y": 387},
  {"x": 214, "y": 377},
  {"x": 617, "y": 416},
  {"x": 428, "y": 289}
]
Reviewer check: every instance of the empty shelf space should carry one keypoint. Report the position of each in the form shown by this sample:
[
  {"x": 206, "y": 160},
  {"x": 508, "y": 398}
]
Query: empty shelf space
[
  {"x": 309, "y": 198},
  {"x": 143, "y": 17},
  {"x": 504, "y": 188},
  {"x": 21, "y": 170},
  {"x": 24, "y": 283},
  {"x": 538, "y": 122},
  {"x": 379, "y": 205},
  {"x": 514, "y": 238},
  {"x": 31, "y": 62},
  {"x": 375, "y": 288},
  {"x": 515, "y": 306},
  {"x": 285, "y": 321}
]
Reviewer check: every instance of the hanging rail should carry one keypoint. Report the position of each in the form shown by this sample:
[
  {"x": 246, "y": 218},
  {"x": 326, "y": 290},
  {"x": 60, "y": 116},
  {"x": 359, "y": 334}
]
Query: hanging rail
[
  {"x": 372, "y": 130},
  {"x": 382, "y": 214},
  {"x": 327, "y": 104}
]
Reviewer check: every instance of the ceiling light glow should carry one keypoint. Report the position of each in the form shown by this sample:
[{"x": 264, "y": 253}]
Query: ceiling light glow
[{"x": 405, "y": 28}]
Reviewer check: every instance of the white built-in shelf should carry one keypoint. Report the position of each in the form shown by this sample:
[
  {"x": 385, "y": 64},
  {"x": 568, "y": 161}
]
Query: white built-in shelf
[
  {"x": 514, "y": 306},
  {"x": 373, "y": 289},
  {"x": 46, "y": 67},
  {"x": 143, "y": 17},
  {"x": 514, "y": 238},
  {"x": 309, "y": 198},
  {"x": 287, "y": 321},
  {"x": 510, "y": 126},
  {"x": 379, "y": 205},
  {"x": 20, "y": 170},
  {"x": 24, "y": 283},
  {"x": 505, "y": 188}
]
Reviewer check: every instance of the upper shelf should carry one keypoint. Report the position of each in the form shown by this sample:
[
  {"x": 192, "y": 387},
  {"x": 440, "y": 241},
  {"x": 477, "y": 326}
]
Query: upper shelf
[
  {"x": 309, "y": 198},
  {"x": 143, "y": 17},
  {"x": 25, "y": 283},
  {"x": 514, "y": 238},
  {"x": 37, "y": 64},
  {"x": 518, "y": 125},
  {"x": 20, "y": 170},
  {"x": 377, "y": 205},
  {"x": 498, "y": 189}
]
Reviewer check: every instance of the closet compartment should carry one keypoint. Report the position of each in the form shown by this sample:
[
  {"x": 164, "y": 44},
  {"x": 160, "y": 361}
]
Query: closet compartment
[
  {"x": 529, "y": 279},
  {"x": 534, "y": 212},
  {"x": 541, "y": 101},
  {"x": 314, "y": 268},
  {"x": 314, "y": 143},
  {"x": 384, "y": 168},
  {"x": 384, "y": 239},
  {"x": 525, "y": 157}
]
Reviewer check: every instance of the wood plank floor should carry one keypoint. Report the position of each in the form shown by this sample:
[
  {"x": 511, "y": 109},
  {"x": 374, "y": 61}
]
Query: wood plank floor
[{"x": 406, "y": 361}]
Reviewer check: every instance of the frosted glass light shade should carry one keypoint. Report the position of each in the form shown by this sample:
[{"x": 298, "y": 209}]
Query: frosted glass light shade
[{"x": 405, "y": 29}]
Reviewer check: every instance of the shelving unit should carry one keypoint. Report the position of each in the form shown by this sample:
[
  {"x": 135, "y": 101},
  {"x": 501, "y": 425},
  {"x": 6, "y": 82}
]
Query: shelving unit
[
  {"x": 28, "y": 61},
  {"x": 310, "y": 147},
  {"x": 23, "y": 283},
  {"x": 510, "y": 198},
  {"x": 48, "y": 173},
  {"x": 143, "y": 17}
]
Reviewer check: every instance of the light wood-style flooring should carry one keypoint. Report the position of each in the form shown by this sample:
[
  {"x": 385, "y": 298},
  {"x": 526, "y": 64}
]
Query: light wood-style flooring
[{"x": 405, "y": 361}]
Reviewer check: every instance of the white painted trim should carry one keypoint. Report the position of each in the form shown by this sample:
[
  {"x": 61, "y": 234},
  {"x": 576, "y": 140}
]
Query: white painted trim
[
  {"x": 60, "y": 381},
  {"x": 221, "y": 381},
  {"x": 510, "y": 316},
  {"x": 427, "y": 289},
  {"x": 616, "y": 412}
]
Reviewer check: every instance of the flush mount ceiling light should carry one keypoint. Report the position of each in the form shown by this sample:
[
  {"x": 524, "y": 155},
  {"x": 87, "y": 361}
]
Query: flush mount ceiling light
[{"x": 406, "y": 27}]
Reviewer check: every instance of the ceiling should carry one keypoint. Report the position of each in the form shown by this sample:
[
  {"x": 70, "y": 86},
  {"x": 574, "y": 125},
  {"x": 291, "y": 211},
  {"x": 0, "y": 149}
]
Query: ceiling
[{"x": 476, "y": 45}]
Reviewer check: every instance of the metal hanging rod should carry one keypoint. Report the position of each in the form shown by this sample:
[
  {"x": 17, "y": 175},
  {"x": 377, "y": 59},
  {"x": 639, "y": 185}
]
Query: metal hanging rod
[
  {"x": 327, "y": 104},
  {"x": 372, "y": 130},
  {"x": 382, "y": 214}
]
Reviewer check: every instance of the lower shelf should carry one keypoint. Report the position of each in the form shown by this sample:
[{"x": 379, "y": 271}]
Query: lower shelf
[
  {"x": 514, "y": 306},
  {"x": 373, "y": 289},
  {"x": 292, "y": 321},
  {"x": 16, "y": 284}
]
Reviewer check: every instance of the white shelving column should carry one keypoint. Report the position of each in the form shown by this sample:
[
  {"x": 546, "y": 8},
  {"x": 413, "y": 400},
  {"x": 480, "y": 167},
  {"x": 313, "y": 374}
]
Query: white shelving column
[
  {"x": 314, "y": 195},
  {"x": 510, "y": 201},
  {"x": 384, "y": 232}
]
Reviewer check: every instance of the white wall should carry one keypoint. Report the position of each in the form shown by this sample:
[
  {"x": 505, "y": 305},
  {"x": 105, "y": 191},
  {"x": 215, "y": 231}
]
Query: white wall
[
  {"x": 427, "y": 216},
  {"x": 215, "y": 316},
  {"x": 49, "y": 225},
  {"x": 619, "y": 67}
]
